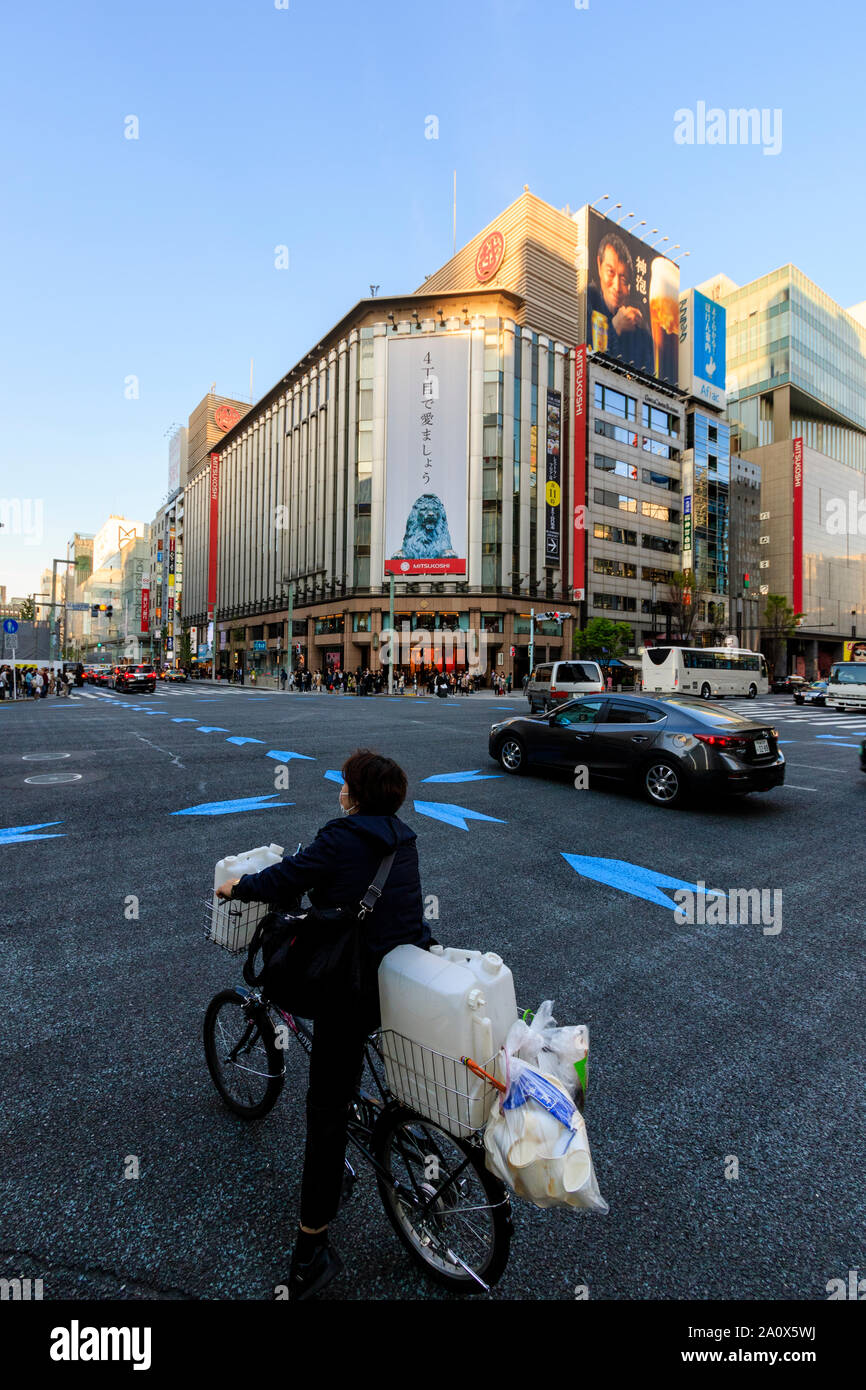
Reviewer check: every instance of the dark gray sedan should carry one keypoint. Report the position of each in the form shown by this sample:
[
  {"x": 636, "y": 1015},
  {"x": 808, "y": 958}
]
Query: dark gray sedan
[{"x": 667, "y": 746}]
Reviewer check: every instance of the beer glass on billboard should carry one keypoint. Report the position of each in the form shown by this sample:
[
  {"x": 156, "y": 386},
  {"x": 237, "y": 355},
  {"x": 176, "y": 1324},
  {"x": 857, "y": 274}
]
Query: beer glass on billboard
[{"x": 664, "y": 317}]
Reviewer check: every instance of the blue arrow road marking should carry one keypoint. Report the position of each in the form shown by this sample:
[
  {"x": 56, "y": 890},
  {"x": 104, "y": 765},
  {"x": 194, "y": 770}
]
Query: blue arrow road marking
[
  {"x": 283, "y": 756},
  {"x": 210, "y": 729},
  {"x": 16, "y": 833},
  {"x": 505, "y": 707},
  {"x": 229, "y": 808},
  {"x": 476, "y": 775},
  {"x": 839, "y": 745},
  {"x": 238, "y": 739},
  {"x": 450, "y": 814},
  {"x": 186, "y": 720},
  {"x": 631, "y": 878},
  {"x": 332, "y": 775}
]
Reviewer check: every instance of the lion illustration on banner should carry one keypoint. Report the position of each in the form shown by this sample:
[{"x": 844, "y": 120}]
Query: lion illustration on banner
[{"x": 426, "y": 536}]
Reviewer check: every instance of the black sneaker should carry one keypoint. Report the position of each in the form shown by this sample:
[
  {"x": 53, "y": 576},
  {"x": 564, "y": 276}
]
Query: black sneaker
[{"x": 308, "y": 1278}]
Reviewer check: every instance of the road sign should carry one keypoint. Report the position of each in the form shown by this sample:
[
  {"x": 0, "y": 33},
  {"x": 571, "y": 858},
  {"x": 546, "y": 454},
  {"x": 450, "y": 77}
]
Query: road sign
[
  {"x": 10, "y": 625},
  {"x": 77, "y": 607}
]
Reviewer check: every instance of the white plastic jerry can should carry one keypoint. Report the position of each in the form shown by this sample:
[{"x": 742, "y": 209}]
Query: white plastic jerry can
[
  {"x": 449, "y": 1004},
  {"x": 226, "y": 931}
]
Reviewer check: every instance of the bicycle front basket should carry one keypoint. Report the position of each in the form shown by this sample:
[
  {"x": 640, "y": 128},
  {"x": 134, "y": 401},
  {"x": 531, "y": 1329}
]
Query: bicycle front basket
[{"x": 231, "y": 925}]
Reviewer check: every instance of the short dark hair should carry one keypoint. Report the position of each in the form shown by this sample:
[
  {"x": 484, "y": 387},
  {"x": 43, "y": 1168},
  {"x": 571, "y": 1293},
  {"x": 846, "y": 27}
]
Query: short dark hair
[
  {"x": 376, "y": 784},
  {"x": 620, "y": 250}
]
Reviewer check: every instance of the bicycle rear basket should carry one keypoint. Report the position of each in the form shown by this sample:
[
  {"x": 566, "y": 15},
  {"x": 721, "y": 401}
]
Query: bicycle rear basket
[
  {"x": 231, "y": 924},
  {"x": 439, "y": 1087}
]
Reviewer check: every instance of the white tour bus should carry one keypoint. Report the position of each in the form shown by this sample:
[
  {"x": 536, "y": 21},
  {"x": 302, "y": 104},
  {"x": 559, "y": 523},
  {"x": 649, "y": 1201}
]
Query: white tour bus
[
  {"x": 704, "y": 671},
  {"x": 846, "y": 685}
]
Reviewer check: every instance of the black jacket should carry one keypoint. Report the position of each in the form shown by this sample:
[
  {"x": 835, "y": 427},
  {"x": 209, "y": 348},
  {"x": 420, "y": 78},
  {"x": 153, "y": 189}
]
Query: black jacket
[{"x": 338, "y": 868}]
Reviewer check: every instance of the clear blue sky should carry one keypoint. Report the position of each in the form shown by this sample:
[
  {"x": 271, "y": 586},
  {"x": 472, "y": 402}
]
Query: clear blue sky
[{"x": 305, "y": 127}]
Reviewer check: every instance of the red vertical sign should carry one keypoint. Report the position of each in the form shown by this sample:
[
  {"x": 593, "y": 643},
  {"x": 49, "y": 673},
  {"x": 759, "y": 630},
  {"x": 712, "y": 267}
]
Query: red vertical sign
[
  {"x": 578, "y": 576},
  {"x": 213, "y": 534},
  {"x": 145, "y": 610},
  {"x": 797, "y": 548}
]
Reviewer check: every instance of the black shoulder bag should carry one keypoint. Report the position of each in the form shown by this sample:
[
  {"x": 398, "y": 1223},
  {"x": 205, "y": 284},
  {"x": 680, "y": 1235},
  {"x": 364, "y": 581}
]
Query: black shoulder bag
[{"x": 314, "y": 958}]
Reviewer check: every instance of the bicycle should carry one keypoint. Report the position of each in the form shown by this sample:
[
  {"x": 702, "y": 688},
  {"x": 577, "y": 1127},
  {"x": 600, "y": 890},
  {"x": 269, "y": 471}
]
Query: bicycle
[{"x": 450, "y": 1213}]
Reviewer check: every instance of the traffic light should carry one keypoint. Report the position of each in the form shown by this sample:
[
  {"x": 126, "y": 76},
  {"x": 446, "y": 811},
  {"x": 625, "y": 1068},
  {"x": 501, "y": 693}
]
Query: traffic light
[
  {"x": 109, "y": 611},
  {"x": 94, "y": 610},
  {"x": 99, "y": 646},
  {"x": 745, "y": 581}
]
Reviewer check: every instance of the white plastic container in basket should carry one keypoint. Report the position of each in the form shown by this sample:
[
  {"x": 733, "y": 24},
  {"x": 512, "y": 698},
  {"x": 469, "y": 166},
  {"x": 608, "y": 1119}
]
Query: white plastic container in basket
[
  {"x": 439, "y": 1006},
  {"x": 225, "y": 930}
]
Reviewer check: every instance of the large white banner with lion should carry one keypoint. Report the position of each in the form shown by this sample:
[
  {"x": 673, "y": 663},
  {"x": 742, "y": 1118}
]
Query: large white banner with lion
[{"x": 427, "y": 455}]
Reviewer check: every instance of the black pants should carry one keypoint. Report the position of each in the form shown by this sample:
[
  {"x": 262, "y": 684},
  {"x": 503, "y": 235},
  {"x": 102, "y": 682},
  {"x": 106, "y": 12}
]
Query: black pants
[{"x": 335, "y": 1067}]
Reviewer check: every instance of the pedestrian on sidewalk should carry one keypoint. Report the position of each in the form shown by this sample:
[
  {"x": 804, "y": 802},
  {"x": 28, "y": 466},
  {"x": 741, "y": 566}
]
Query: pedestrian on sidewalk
[{"x": 284, "y": 677}]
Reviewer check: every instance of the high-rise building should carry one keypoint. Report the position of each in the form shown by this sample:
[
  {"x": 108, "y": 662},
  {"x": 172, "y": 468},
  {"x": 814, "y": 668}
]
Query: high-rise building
[{"x": 796, "y": 379}]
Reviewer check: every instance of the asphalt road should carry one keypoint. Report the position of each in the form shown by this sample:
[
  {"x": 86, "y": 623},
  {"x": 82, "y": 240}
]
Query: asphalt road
[{"x": 709, "y": 1043}]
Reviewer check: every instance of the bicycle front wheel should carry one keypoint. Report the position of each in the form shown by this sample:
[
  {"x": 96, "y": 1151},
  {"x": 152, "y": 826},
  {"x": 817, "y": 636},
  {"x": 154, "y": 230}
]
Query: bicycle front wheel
[
  {"x": 240, "y": 1046},
  {"x": 451, "y": 1214}
]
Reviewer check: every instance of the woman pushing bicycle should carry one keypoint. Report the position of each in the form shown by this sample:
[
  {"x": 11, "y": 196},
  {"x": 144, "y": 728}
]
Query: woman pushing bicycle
[{"x": 336, "y": 870}]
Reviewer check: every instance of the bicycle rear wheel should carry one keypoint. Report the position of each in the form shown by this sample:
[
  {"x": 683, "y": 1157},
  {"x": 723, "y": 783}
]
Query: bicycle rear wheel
[
  {"x": 240, "y": 1047},
  {"x": 450, "y": 1213}
]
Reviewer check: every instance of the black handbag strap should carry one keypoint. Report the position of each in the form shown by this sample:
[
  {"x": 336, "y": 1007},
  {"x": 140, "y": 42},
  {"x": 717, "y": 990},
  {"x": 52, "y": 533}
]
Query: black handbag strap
[{"x": 374, "y": 892}]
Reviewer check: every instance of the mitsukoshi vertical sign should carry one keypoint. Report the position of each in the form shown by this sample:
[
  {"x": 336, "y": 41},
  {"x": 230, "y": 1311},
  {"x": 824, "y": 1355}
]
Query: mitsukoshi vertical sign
[{"x": 427, "y": 455}]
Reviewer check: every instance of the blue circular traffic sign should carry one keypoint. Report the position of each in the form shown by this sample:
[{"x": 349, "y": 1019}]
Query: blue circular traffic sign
[{"x": 10, "y": 625}]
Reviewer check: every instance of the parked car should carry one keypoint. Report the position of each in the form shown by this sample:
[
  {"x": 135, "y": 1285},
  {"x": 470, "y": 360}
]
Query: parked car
[
  {"x": 667, "y": 745},
  {"x": 787, "y": 685},
  {"x": 135, "y": 678},
  {"x": 813, "y": 694},
  {"x": 553, "y": 682}
]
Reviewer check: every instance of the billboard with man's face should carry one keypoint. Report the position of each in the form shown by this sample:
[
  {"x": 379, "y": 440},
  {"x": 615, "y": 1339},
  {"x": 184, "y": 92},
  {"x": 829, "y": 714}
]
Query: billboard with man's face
[{"x": 632, "y": 301}]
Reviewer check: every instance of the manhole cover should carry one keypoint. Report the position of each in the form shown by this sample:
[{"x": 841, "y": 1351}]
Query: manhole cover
[
  {"x": 45, "y": 778},
  {"x": 42, "y": 757}
]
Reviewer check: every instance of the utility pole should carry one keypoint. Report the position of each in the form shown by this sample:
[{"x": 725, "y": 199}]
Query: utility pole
[
  {"x": 391, "y": 631},
  {"x": 291, "y": 626}
]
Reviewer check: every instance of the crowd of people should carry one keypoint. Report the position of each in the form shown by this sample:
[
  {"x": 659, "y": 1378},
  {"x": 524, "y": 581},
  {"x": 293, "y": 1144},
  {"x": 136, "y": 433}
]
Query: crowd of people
[
  {"x": 38, "y": 682},
  {"x": 363, "y": 681}
]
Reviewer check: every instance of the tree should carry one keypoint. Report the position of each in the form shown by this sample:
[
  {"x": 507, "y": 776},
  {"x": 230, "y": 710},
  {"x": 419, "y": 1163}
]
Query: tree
[
  {"x": 603, "y": 639},
  {"x": 683, "y": 599},
  {"x": 28, "y": 608},
  {"x": 780, "y": 623},
  {"x": 185, "y": 649}
]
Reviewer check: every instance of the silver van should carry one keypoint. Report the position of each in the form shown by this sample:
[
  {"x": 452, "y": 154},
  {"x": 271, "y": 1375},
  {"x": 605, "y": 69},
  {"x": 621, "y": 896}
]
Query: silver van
[{"x": 556, "y": 681}]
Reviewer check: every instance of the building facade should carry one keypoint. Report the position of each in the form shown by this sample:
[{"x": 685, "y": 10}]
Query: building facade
[{"x": 796, "y": 377}]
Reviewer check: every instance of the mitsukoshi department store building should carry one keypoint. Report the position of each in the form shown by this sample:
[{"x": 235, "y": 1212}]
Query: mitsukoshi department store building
[{"x": 443, "y": 437}]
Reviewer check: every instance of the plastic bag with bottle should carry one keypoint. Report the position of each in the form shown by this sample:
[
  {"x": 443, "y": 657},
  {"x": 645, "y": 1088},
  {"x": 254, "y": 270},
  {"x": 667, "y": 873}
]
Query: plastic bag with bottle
[
  {"x": 535, "y": 1139},
  {"x": 560, "y": 1052}
]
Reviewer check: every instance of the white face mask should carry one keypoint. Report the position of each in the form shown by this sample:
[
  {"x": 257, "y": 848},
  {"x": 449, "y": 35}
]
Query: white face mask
[{"x": 346, "y": 810}]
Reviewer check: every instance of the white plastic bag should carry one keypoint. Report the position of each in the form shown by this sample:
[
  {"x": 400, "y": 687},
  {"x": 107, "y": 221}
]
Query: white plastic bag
[
  {"x": 535, "y": 1141},
  {"x": 559, "y": 1052}
]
